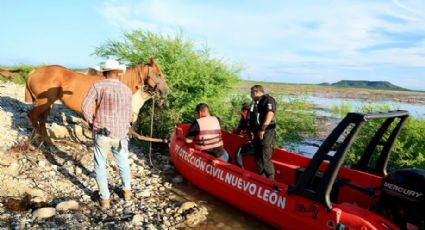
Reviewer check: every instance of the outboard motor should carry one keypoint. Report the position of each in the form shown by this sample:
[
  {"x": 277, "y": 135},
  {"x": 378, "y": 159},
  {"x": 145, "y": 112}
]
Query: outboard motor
[{"x": 403, "y": 198}]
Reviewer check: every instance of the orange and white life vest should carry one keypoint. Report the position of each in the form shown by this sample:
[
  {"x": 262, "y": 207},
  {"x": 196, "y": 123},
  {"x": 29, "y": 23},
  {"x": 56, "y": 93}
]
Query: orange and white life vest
[{"x": 209, "y": 134}]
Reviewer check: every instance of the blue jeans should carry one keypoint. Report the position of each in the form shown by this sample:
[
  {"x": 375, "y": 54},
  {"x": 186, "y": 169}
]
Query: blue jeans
[
  {"x": 225, "y": 157},
  {"x": 119, "y": 149}
]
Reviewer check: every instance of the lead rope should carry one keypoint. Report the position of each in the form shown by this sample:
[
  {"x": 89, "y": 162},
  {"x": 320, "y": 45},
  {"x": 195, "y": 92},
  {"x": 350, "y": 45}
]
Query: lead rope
[{"x": 150, "y": 143}]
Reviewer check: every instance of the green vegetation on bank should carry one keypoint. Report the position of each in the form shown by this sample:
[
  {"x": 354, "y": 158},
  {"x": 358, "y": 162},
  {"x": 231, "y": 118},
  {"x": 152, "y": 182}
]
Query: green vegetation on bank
[
  {"x": 295, "y": 120},
  {"x": 385, "y": 85},
  {"x": 408, "y": 151},
  {"x": 347, "y": 92},
  {"x": 342, "y": 109},
  {"x": 194, "y": 76},
  {"x": 19, "y": 73}
]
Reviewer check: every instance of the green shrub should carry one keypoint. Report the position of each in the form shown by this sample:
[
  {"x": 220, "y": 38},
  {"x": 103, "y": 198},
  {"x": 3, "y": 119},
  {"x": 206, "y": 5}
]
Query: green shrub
[
  {"x": 192, "y": 75},
  {"x": 409, "y": 148},
  {"x": 294, "y": 120},
  {"x": 21, "y": 76},
  {"x": 339, "y": 110},
  {"x": 294, "y": 117}
]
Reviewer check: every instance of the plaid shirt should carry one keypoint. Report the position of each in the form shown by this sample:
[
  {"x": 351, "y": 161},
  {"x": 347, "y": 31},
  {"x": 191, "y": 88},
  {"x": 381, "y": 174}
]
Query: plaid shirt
[{"x": 113, "y": 107}]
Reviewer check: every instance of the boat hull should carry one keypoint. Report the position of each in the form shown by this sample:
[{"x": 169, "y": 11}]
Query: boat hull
[{"x": 264, "y": 199}]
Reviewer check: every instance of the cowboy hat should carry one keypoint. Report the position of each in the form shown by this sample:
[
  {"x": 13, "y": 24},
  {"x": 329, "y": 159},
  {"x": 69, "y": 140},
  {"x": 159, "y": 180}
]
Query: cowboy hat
[{"x": 112, "y": 65}]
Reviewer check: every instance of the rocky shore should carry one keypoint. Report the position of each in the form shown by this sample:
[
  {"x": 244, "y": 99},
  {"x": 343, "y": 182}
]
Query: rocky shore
[{"x": 54, "y": 187}]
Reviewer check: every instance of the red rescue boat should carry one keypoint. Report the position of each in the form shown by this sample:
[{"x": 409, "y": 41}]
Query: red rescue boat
[{"x": 318, "y": 192}]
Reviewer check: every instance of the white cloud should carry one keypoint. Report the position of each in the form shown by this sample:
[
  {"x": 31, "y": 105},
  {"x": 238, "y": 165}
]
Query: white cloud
[{"x": 327, "y": 36}]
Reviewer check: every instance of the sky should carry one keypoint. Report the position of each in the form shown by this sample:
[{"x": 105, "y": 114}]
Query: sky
[{"x": 281, "y": 41}]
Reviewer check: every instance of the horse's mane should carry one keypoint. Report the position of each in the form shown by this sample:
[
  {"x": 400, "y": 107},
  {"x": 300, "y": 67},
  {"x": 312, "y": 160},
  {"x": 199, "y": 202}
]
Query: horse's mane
[{"x": 131, "y": 77}]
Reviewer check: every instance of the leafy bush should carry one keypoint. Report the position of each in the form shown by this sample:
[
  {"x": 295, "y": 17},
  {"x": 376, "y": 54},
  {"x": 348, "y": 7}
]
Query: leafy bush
[
  {"x": 339, "y": 110},
  {"x": 408, "y": 151},
  {"x": 20, "y": 76},
  {"x": 192, "y": 75},
  {"x": 294, "y": 119}
]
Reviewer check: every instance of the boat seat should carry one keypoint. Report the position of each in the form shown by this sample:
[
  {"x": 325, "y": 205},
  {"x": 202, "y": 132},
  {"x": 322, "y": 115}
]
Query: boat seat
[
  {"x": 339, "y": 182},
  {"x": 285, "y": 173}
]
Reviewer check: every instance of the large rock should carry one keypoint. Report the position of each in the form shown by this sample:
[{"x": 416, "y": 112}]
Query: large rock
[
  {"x": 67, "y": 205},
  {"x": 38, "y": 199},
  {"x": 41, "y": 164},
  {"x": 186, "y": 206},
  {"x": 137, "y": 219},
  {"x": 197, "y": 217},
  {"x": 75, "y": 119},
  {"x": 43, "y": 213},
  {"x": 35, "y": 192},
  {"x": 57, "y": 131},
  {"x": 13, "y": 169},
  {"x": 144, "y": 193},
  {"x": 79, "y": 132}
]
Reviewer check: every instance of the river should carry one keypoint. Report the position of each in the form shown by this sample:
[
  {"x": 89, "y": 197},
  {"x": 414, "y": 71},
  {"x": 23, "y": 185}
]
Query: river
[{"x": 221, "y": 215}]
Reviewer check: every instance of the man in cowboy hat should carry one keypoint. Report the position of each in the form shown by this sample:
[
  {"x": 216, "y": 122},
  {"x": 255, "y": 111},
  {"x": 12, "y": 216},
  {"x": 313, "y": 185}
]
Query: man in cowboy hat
[{"x": 110, "y": 123}]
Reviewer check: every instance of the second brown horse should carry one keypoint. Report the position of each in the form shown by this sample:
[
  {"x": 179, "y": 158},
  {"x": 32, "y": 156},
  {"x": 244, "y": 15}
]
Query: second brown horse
[{"x": 50, "y": 83}]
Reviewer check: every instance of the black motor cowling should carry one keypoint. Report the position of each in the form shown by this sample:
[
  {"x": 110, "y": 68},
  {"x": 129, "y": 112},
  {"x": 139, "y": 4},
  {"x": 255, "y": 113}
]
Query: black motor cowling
[{"x": 403, "y": 198}]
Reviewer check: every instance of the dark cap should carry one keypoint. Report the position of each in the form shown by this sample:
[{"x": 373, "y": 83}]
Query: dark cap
[{"x": 245, "y": 106}]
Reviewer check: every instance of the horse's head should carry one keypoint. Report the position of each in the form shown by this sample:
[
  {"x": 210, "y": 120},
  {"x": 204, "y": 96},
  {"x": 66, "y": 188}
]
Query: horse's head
[{"x": 155, "y": 79}]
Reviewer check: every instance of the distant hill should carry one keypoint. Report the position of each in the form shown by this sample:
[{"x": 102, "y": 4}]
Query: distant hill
[{"x": 385, "y": 85}]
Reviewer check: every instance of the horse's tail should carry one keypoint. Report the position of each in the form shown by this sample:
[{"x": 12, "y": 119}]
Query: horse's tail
[{"x": 29, "y": 97}]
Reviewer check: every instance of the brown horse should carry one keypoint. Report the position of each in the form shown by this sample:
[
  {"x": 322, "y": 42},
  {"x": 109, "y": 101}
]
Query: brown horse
[{"x": 47, "y": 84}]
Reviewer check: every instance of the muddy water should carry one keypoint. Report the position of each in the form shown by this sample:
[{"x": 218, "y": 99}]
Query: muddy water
[{"x": 220, "y": 214}]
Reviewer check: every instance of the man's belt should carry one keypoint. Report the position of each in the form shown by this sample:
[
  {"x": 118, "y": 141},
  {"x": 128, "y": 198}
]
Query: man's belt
[{"x": 103, "y": 132}]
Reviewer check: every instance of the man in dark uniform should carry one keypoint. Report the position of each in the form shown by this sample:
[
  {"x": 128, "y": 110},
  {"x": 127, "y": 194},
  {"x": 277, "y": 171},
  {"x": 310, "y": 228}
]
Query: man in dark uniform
[{"x": 262, "y": 124}]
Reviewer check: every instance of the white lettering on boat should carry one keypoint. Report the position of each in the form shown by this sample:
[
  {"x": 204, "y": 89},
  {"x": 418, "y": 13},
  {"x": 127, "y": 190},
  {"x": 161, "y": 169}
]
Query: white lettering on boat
[
  {"x": 401, "y": 190},
  {"x": 198, "y": 163},
  {"x": 262, "y": 193}
]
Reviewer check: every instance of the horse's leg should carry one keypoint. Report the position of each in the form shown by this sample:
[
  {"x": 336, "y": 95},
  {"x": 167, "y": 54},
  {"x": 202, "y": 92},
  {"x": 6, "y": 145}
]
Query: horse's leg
[
  {"x": 38, "y": 116},
  {"x": 43, "y": 118},
  {"x": 33, "y": 117}
]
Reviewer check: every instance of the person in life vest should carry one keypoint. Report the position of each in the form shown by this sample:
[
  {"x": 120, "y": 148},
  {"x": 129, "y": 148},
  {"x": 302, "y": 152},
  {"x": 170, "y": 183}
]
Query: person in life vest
[
  {"x": 205, "y": 133},
  {"x": 262, "y": 119}
]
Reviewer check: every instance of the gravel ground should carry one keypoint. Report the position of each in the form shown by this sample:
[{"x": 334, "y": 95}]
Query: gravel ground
[{"x": 54, "y": 187}]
